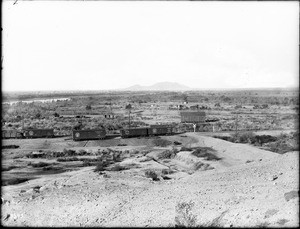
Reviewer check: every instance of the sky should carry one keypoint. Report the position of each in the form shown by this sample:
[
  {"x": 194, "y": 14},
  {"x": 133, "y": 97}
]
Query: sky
[{"x": 89, "y": 45}]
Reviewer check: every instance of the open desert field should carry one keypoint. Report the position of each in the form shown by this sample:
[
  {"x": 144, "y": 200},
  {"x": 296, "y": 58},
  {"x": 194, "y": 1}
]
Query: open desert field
[
  {"x": 242, "y": 173},
  {"x": 204, "y": 181}
]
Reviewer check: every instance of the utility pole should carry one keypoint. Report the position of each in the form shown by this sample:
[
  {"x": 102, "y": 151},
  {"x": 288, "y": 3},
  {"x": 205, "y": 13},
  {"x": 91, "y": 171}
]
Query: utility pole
[
  {"x": 236, "y": 123},
  {"x": 129, "y": 118},
  {"x": 128, "y": 107}
]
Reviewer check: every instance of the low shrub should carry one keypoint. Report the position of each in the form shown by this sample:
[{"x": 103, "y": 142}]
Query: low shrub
[
  {"x": 199, "y": 165},
  {"x": 183, "y": 148},
  {"x": 122, "y": 144},
  {"x": 226, "y": 138},
  {"x": 39, "y": 164},
  {"x": 69, "y": 152},
  {"x": 167, "y": 154},
  {"x": 167, "y": 171},
  {"x": 65, "y": 159},
  {"x": 52, "y": 168},
  {"x": 118, "y": 168},
  {"x": 161, "y": 142},
  {"x": 166, "y": 177},
  {"x": 117, "y": 156},
  {"x": 82, "y": 152},
  {"x": 101, "y": 166},
  {"x": 10, "y": 147},
  {"x": 247, "y": 137},
  {"x": 204, "y": 152},
  {"x": 184, "y": 216},
  {"x": 87, "y": 163},
  {"x": 151, "y": 174},
  {"x": 177, "y": 143},
  {"x": 15, "y": 180},
  {"x": 8, "y": 168}
]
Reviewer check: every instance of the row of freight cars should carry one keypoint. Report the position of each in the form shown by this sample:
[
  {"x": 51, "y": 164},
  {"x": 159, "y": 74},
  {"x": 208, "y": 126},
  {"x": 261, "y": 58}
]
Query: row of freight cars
[
  {"x": 94, "y": 134},
  {"x": 153, "y": 130},
  {"x": 28, "y": 133}
]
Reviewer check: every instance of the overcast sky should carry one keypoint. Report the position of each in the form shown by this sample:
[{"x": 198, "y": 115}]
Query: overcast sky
[{"x": 65, "y": 45}]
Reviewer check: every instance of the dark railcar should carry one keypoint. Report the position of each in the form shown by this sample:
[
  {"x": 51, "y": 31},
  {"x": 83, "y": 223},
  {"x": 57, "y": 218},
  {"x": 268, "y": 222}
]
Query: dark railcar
[
  {"x": 38, "y": 133},
  {"x": 96, "y": 134},
  {"x": 11, "y": 134},
  {"x": 160, "y": 130},
  {"x": 134, "y": 132}
]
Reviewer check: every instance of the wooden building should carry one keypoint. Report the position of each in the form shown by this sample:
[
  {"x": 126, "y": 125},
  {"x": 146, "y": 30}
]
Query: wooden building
[{"x": 192, "y": 116}]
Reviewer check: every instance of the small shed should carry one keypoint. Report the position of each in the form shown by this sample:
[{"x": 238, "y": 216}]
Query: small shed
[{"x": 192, "y": 116}]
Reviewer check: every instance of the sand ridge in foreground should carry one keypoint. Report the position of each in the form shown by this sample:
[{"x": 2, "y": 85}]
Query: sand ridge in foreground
[{"x": 239, "y": 193}]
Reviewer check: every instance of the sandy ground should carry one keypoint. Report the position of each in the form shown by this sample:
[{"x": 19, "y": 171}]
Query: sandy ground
[{"x": 247, "y": 187}]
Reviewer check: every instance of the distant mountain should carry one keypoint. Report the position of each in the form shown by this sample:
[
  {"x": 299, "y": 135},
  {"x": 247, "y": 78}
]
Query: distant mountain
[{"x": 162, "y": 86}]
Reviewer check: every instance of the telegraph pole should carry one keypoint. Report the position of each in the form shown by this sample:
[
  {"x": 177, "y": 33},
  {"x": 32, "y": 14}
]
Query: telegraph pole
[
  {"x": 128, "y": 107},
  {"x": 129, "y": 118},
  {"x": 236, "y": 123}
]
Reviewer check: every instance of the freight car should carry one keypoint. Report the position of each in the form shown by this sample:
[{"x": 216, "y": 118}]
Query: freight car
[
  {"x": 153, "y": 130},
  {"x": 94, "y": 134},
  {"x": 11, "y": 134},
  {"x": 134, "y": 132},
  {"x": 160, "y": 130},
  {"x": 38, "y": 133}
]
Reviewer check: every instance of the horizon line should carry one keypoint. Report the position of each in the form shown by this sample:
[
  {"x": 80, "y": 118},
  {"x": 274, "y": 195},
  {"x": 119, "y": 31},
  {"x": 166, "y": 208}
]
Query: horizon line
[{"x": 124, "y": 89}]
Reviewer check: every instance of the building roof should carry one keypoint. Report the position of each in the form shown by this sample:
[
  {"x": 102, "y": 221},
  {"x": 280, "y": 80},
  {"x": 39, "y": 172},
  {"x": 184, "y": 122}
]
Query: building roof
[{"x": 192, "y": 113}]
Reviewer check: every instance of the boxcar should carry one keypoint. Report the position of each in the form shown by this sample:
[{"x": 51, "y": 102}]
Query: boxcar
[
  {"x": 134, "y": 132},
  {"x": 11, "y": 134},
  {"x": 160, "y": 130},
  {"x": 38, "y": 133},
  {"x": 95, "y": 134}
]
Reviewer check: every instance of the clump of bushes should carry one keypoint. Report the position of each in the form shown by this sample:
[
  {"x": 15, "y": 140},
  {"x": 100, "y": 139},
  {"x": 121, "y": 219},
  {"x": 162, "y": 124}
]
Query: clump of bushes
[
  {"x": 248, "y": 137},
  {"x": 122, "y": 144},
  {"x": 87, "y": 163},
  {"x": 151, "y": 174},
  {"x": 15, "y": 180},
  {"x": 64, "y": 159},
  {"x": 205, "y": 153},
  {"x": 199, "y": 165},
  {"x": 167, "y": 171},
  {"x": 8, "y": 168},
  {"x": 10, "y": 147},
  {"x": 262, "y": 139},
  {"x": 81, "y": 152},
  {"x": 161, "y": 142},
  {"x": 168, "y": 154},
  {"x": 39, "y": 164},
  {"x": 226, "y": 138},
  {"x": 101, "y": 166},
  {"x": 183, "y": 148},
  {"x": 117, "y": 156},
  {"x": 118, "y": 168},
  {"x": 177, "y": 143},
  {"x": 69, "y": 152}
]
